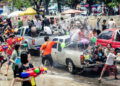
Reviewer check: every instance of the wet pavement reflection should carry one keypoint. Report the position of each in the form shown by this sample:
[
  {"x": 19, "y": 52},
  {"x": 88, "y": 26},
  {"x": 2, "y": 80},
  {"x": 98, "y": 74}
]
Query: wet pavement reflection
[{"x": 62, "y": 77}]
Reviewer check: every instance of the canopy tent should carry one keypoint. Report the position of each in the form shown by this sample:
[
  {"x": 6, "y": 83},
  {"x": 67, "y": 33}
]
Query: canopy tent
[
  {"x": 29, "y": 11},
  {"x": 71, "y": 11},
  {"x": 1, "y": 10},
  {"x": 14, "y": 14}
]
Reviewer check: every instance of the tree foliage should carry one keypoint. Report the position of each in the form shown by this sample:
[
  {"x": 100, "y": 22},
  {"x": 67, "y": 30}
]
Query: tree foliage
[
  {"x": 114, "y": 3},
  {"x": 21, "y": 3}
]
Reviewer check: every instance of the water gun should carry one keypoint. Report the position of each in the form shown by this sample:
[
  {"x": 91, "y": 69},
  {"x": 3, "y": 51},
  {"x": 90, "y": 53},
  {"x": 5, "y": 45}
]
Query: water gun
[
  {"x": 33, "y": 72},
  {"x": 18, "y": 39},
  {"x": 4, "y": 48}
]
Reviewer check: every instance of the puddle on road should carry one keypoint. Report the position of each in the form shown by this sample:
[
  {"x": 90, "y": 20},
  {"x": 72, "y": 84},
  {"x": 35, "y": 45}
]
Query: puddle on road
[{"x": 55, "y": 80}]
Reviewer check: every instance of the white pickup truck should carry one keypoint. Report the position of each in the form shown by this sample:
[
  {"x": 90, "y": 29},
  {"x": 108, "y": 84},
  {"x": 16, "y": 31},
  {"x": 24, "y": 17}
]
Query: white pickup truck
[
  {"x": 68, "y": 56},
  {"x": 32, "y": 42}
]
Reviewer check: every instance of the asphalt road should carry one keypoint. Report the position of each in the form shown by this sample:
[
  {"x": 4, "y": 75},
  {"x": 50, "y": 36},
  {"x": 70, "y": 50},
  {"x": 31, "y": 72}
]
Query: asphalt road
[{"x": 63, "y": 78}]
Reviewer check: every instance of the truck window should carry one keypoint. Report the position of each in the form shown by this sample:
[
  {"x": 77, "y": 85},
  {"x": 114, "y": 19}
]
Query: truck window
[
  {"x": 22, "y": 31},
  {"x": 55, "y": 46},
  {"x": 105, "y": 35},
  {"x": 26, "y": 32},
  {"x": 67, "y": 41},
  {"x": 59, "y": 45}
]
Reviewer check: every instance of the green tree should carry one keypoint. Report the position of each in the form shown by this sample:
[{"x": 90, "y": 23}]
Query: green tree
[
  {"x": 46, "y": 4},
  {"x": 114, "y": 3},
  {"x": 37, "y": 4},
  {"x": 21, "y": 3}
]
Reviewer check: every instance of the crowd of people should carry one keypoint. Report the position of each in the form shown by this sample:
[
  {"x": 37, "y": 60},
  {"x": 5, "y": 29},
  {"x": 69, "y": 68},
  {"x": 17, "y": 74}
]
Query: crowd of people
[{"x": 79, "y": 32}]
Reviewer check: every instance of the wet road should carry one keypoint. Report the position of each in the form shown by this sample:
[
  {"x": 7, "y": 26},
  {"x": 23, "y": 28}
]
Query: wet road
[{"x": 63, "y": 78}]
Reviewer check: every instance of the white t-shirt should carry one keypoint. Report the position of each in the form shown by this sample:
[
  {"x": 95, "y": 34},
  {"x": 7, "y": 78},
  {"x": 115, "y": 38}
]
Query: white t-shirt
[
  {"x": 111, "y": 24},
  {"x": 47, "y": 30},
  {"x": 110, "y": 59},
  {"x": 75, "y": 35},
  {"x": 37, "y": 23}
]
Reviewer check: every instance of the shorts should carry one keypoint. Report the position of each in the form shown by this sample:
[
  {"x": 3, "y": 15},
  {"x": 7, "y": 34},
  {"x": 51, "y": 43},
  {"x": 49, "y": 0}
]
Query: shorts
[
  {"x": 8, "y": 60},
  {"x": 0, "y": 61},
  {"x": 47, "y": 57},
  {"x": 110, "y": 68},
  {"x": 15, "y": 71}
]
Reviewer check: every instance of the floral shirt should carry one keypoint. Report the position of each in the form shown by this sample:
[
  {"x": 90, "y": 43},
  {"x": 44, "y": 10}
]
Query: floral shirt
[{"x": 11, "y": 42}]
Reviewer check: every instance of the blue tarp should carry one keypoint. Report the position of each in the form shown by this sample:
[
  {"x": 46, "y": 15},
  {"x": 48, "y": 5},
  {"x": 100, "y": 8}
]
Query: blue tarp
[
  {"x": 1, "y": 10},
  {"x": 96, "y": 5}
]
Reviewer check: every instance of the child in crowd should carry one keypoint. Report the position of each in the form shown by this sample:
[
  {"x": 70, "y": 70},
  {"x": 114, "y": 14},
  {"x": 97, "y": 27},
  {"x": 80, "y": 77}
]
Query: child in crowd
[
  {"x": 25, "y": 59},
  {"x": 109, "y": 66},
  {"x": 16, "y": 54}
]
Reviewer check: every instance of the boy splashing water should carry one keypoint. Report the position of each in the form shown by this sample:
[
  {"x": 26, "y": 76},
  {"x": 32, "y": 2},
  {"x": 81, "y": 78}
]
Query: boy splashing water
[{"x": 109, "y": 64}]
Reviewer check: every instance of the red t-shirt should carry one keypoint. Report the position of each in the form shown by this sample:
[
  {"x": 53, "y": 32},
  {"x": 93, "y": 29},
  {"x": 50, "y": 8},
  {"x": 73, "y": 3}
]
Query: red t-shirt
[{"x": 47, "y": 47}]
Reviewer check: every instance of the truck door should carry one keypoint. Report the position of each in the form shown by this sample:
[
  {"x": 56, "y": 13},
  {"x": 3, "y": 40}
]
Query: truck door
[
  {"x": 105, "y": 37},
  {"x": 60, "y": 53},
  {"x": 116, "y": 40},
  {"x": 54, "y": 51}
]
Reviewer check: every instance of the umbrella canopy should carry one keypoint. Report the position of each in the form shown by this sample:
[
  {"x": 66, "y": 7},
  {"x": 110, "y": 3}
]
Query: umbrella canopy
[
  {"x": 14, "y": 14},
  {"x": 1, "y": 10},
  {"x": 71, "y": 11},
  {"x": 29, "y": 11}
]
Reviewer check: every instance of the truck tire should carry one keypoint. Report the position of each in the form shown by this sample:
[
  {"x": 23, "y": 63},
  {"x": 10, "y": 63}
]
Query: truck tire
[{"x": 70, "y": 66}]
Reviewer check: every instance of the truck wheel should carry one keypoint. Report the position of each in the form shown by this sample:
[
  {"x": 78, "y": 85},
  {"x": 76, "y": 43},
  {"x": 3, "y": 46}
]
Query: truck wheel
[{"x": 70, "y": 66}]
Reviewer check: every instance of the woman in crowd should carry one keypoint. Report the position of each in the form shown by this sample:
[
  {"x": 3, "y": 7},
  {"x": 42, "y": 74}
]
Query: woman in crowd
[
  {"x": 107, "y": 50},
  {"x": 16, "y": 54},
  {"x": 99, "y": 54}
]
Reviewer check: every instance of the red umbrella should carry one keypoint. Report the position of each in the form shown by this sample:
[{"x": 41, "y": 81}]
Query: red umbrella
[{"x": 71, "y": 11}]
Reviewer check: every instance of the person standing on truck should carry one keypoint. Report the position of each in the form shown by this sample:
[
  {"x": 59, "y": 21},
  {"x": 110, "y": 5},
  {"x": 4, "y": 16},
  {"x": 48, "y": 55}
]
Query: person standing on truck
[
  {"x": 37, "y": 22},
  {"x": 47, "y": 47},
  {"x": 45, "y": 22},
  {"x": 109, "y": 66}
]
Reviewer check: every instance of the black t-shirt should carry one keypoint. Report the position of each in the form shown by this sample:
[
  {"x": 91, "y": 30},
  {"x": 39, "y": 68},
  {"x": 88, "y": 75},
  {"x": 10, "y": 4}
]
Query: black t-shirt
[{"x": 21, "y": 69}]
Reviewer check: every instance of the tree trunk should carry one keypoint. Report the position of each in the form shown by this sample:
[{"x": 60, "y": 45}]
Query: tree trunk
[
  {"x": 12, "y": 6},
  {"x": 59, "y": 6},
  {"x": 46, "y": 6}
]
